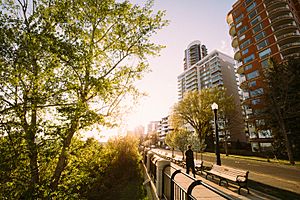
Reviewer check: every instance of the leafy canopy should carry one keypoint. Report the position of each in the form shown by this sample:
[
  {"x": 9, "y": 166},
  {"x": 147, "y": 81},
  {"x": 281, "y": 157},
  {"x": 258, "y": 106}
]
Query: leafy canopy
[
  {"x": 194, "y": 110},
  {"x": 65, "y": 66}
]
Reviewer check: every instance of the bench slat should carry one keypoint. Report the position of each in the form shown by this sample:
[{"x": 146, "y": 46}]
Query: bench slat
[{"x": 232, "y": 174}]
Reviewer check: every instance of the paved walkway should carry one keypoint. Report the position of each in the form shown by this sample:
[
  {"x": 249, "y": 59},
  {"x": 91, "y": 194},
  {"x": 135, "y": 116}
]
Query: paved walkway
[
  {"x": 201, "y": 192},
  {"x": 232, "y": 190}
]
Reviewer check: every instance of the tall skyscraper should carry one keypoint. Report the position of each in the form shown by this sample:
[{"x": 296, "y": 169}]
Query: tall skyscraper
[
  {"x": 261, "y": 29},
  {"x": 194, "y": 52},
  {"x": 215, "y": 70}
]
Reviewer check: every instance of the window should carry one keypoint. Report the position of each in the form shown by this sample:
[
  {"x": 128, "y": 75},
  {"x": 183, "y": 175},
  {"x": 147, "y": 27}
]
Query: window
[
  {"x": 239, "y": 24},
  {"x": 264, "y": 53},
  {"x": 254, "y": 145},
  {"x": 251, "y": 6},
  {"x": 265, "y": 63},
  {"x": 266, "y": 147},
  {"x": 247, "y": 67},
  {"x": 255, "y": 101},
  {"x": 245, "y": 51},
  {"x": 239, "y": 17},
  {"x": 246, "y": 95},
  {"x": 249, "y": 58},
  {"x": 252, "y": 75},
  {"x": 246, "y": 43},
  {"x": 242, "y": 30},
  {"x": 257, "y": 28},
  {"x": 260, "y": 36},
  {"x": 256, "y": 92},
  {"x": 262, "y": 44},
  {"x": 255, "y": 20},
  {"x": 264, "y": 134},
  {"x": 252, "y": 14},
  {"x": 260, "y": 122},
  {"x": 252, "y": 84},
  {"x": 247, "y": 2},
  {"x": 242, "y": 37}
]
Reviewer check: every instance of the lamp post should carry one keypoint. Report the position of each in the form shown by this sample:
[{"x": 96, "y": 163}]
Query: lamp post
[{"x": 214, "y": 107}]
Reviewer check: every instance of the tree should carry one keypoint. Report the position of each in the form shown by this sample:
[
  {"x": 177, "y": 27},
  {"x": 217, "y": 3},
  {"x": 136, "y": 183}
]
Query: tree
[
  {"x": 197, "y": 145},
  {"x": 178, "y": 139},
  {"x": 283, "y": 102},
  {"x": 195, "y": 109},
  {"x": 65, "y": 66}
]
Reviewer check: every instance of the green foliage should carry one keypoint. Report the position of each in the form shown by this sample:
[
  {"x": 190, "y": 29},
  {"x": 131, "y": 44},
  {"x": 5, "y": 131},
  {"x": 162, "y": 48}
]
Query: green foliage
[
  {"x": 195, "y": 110},
  {"x": 64, "y": 67},
  {"x": 122, "y": 179},
  {"x": 178, "y": 139},
  {"x": 94, "y": 171}
]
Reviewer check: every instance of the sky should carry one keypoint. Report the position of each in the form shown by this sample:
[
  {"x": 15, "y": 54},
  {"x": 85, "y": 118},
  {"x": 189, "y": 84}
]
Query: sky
[{"x": 203, "y": 20}]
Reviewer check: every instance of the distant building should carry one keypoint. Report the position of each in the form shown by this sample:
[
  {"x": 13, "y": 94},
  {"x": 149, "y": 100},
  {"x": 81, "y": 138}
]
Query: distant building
[
  {"x": 152, "y": 127},
  {"x": 261, "y": 29},
  {"x": 194, "y": 52},
  {"x": 163, "y": 129},
  {"x": 215, "y": 70},
  {"x": 138, "y": 132}
]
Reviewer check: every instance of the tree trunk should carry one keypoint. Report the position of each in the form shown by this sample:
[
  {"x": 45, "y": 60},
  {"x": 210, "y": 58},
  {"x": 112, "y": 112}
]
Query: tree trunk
[
  {"x": 225, "y": 144},
  {"x": 287, "y": 143},
  {"x": 284, "y": 132},
  {"x": 33, "y": 156},
  {"x": 62, "y": 160},
  {"x": 31, "y": 132}
]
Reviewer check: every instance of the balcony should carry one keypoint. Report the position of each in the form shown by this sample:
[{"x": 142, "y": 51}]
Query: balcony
[
  {"x": 279, "y": 11},
  {"x": 232, "y": 31},
  {"x": 282, "y": 19},
  {"x": 273, "y": 4},
  {"x": 290, "y": 49},
  {"x": 238, "y": 64},
  {"x": 240, "y": 70},
  {"x": 234, "y": 42},
  {"x": 288, "y": 37},
  {"x": 229, "y": 19},
  {"x": 215, "y": 69},
  {"x": 286, "y": 46},
  {"x": 244, "y": 85},
  {"x": 285, "y": 28},
  {"x": 293, "y": 55},
  {"x": 238, "y": 56}
]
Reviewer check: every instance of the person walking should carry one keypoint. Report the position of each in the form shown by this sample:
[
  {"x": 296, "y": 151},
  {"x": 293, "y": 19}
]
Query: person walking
[{"x": 189, "y": 156}]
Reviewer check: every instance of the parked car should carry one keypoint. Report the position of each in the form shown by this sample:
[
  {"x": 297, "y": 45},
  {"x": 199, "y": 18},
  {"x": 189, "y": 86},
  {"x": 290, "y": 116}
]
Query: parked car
[{"x": 167, "y": 148}]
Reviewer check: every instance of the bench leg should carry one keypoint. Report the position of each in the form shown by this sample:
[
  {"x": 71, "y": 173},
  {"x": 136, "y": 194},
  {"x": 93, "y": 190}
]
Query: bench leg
[
  {"x": 222, "y": 179},
  {"x": 208, "y": 174},
  {"x": 243, "y": 186},
  {"x": 239, "y": 191}
]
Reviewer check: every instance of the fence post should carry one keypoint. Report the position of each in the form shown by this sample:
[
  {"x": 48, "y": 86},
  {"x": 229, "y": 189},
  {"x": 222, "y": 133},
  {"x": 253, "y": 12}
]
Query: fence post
[
  {"x": 160, "y": 164},
  {"x": 191, "y": 187},
  {"x": 172, "y": 183},
  {"x": 149, "y": 156}
]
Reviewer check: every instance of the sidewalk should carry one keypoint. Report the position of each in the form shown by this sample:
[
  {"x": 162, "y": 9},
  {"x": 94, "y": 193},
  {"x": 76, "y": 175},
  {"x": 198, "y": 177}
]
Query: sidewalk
[
  {"x": 266, "y": 180},
  {"x": 200, "y": 192}
]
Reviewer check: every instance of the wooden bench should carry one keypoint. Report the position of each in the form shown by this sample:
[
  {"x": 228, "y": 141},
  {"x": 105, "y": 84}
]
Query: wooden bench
[
  {"x": 226, "y": 173},
  {"x": 199, "y": 166}
]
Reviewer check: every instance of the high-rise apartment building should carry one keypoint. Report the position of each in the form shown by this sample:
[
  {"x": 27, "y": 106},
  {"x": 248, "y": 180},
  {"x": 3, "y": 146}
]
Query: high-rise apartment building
[
  {"x": 194, "y": 52},
  {"x": 215, "y": 70},
  {"x": 163, "y": 129},
  {"x": 261, "y": 29}
]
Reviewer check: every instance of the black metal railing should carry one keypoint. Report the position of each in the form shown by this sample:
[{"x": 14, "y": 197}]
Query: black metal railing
[
  {"x": 153, "y": 167},
  {"x": 172, "y": 190}
]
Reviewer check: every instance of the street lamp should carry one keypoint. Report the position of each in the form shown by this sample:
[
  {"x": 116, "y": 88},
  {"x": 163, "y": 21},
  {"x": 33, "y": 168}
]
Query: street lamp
[{"x": 214, "y": 107}]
